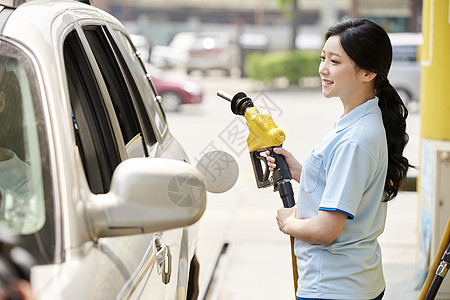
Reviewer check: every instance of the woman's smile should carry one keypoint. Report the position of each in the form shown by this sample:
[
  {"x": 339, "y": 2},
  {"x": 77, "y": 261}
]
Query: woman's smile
[{"x": 326, "y": 82}]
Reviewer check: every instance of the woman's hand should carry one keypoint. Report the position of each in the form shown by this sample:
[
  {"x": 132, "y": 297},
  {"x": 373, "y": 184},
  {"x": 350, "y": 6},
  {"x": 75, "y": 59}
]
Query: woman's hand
[
  {"x": 294, "y": 166},
  {"x": 284, "y": 217}
]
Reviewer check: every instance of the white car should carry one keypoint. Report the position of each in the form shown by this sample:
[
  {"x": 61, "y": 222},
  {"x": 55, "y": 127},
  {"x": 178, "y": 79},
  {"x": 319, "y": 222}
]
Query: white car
[
  {"x": 208, "y": 51},
  {"x": 404, "y": 74},
  {"x": 91, "y": 179}
]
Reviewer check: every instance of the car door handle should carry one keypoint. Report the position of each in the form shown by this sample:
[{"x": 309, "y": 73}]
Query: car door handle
[
  {"x": 159, "y": 254},
  {"x": 163, "y": 260}
]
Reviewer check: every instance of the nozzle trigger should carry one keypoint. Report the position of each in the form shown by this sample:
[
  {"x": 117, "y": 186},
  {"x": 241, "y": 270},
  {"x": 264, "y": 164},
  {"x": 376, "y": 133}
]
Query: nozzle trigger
[{"x": 262, "y": 175}]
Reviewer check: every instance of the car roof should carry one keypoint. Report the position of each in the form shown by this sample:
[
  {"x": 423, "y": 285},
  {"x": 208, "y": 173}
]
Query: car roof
[
  {"x": 16, "y": 3},
  {"x": 42, "y": 37},
  {"x": 11, "y": 3},
  {"x": 406, "y": 38},
  {"x": 25, "y": 23}
]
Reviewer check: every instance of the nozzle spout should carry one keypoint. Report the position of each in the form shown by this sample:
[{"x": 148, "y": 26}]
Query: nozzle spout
[
  {"x": 224, "y": 95},
  {"x": 239, "y": 102}
]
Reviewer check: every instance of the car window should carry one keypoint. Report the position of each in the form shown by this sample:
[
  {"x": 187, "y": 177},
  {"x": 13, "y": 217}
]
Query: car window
[
  {"x": 25, "y": 179},
  {"x": 117, "y": 87},
  {"x": 93, "y": 130},
  {"x": 142, "y": 79},
  {"x": 404, "y": 46},
  {"x": 404, "y": 53}
]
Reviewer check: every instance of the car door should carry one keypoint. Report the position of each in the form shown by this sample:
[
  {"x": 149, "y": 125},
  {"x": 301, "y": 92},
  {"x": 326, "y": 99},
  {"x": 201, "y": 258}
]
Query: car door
[
  {"x": 26, "y": 181},
  {"x": 108, "y": 131},
  {"x": 181, "y": 242}
]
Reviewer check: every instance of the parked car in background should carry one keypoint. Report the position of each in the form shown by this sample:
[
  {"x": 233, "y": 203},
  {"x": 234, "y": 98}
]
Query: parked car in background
[
  {"x": 404, "y": 74},
  {"x": 99, "y": 191},
  {"x": 167, "y": 57},
  {"x": 209, "y": 51},
  {"x": 175, "y": 89},
  {"x": 142, "y": 44}
]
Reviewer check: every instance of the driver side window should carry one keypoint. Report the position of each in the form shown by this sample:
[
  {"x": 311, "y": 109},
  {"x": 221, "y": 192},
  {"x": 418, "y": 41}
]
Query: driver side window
[{"x": 93, "y": 130}]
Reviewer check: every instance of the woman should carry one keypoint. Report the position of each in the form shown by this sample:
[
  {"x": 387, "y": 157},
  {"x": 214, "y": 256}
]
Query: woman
[{"x": 347, "y": 178}]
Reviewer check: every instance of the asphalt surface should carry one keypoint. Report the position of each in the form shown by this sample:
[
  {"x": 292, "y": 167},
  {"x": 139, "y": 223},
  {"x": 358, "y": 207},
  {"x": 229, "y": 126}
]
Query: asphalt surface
[{"x": 242, "y": 253}]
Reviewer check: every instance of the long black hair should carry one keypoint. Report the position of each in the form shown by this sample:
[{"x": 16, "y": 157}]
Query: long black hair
[{"x": 369, "y": 46}]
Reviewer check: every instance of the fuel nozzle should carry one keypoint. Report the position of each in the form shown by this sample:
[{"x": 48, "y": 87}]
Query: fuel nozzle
[
  {"x": 239, "y": 103},
  {"x": 264, "y": 136}
]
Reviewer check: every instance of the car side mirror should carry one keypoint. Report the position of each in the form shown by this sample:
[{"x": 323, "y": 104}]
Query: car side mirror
[{"x": 148, "y": 195}]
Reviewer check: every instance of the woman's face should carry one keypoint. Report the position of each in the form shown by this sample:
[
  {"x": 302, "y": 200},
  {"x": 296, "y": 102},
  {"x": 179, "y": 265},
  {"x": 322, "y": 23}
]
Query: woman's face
[{"x": 340, "y": 75}]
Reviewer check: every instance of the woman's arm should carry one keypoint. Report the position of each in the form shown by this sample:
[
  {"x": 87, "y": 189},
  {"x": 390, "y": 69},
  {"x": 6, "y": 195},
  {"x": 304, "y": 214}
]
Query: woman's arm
[{"x": 321, "y": 229}]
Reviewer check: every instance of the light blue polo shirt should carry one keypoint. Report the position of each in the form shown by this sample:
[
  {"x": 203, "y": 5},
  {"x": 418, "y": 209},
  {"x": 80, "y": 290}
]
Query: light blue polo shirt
[{"x": 346, "y": 172}]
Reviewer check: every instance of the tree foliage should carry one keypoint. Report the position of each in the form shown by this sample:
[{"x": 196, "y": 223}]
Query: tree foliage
[
  {"x": 286, "y": 8},
  {"x": 292, "y": 65}
]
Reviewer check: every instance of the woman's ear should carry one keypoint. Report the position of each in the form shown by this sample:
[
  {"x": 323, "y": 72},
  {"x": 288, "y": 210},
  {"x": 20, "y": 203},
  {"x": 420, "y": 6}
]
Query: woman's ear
[{"x": 368, "y": 76}]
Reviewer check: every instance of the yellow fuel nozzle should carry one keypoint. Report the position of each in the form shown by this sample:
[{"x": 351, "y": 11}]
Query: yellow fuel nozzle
[{"x": 264, "y": 133}]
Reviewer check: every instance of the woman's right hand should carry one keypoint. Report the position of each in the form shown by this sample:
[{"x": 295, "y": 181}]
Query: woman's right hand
[{"x": 294, "y": 166}]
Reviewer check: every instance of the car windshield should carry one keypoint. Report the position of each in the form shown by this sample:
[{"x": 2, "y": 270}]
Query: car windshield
[{"x": 23, "y": 159}]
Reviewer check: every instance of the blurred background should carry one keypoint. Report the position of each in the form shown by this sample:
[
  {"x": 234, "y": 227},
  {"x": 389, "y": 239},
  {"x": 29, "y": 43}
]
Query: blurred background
[{"x": 276, "y": 42}]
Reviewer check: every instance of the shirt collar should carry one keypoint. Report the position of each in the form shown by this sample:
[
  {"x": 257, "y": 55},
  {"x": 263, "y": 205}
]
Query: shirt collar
[{"x": 357, "y": 113}]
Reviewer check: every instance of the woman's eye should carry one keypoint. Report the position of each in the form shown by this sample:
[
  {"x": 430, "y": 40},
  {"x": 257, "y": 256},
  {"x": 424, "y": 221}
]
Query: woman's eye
[
  {"x": 334, "y": 62},
  {"x": 322, "y": 57}
]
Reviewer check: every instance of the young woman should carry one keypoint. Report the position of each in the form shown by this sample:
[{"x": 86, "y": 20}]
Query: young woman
[{"x": 346, "y": 180}]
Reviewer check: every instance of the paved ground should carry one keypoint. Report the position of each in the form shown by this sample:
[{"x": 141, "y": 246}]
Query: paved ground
[{"x": 240, "y": 224}]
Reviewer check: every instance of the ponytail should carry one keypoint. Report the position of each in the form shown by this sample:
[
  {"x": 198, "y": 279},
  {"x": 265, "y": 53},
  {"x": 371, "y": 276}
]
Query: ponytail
[{"x": 394, "y": 113}]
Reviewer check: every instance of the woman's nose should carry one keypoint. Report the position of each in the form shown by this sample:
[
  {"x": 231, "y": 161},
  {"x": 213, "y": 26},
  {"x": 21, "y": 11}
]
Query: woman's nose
[{"x": 322, "y": 68}]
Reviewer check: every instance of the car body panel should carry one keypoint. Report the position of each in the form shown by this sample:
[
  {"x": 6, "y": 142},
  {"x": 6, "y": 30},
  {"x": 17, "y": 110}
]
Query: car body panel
[
  {"x": 189, "y": 91},
  {"x": 405, "y": 76},
  {"x": 103, "y": 267},
  {"x": 405, "y": 70}
]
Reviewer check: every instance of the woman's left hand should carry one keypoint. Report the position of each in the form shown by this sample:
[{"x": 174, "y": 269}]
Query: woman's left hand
[{"x": 284, "y": 216}]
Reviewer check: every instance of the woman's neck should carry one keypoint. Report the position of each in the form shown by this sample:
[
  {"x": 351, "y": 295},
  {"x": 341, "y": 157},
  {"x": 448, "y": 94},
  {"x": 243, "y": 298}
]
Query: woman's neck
[{"x": 356, "y": 100}]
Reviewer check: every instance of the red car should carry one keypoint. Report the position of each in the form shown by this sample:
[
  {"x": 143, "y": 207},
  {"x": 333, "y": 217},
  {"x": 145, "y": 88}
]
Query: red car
[{"x": 175, "y": 89}]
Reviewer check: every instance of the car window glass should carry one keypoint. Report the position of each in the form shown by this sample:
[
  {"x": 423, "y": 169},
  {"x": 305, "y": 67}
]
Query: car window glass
[
  {"x": 147, "y": 89},
  {"x": 404, "y": 53},
  {"x": 117, "y": 87},
  {"x": 21, "y": 187},
  {"x": 94, "y": 135},
  {"x": 25, "y": 179}
]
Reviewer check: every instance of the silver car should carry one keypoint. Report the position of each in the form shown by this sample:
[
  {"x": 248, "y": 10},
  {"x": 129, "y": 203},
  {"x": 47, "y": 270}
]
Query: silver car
[
  {"x": 405, "y": 69},
  {"x": 91, "y": 178},
  {"x": 208, "y": 51}
]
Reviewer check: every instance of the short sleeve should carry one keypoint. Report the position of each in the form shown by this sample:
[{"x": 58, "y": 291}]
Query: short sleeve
[{"x": 348, "y": 173}]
